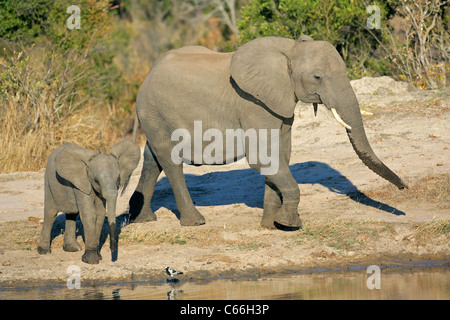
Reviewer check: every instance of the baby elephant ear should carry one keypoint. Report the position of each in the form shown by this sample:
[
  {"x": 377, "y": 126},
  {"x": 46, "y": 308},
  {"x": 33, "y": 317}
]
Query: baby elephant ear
[
  {"x": 304, "y": 38},
  {"x": 128, "y": 155},
  {"x": 70, "y": 164}
]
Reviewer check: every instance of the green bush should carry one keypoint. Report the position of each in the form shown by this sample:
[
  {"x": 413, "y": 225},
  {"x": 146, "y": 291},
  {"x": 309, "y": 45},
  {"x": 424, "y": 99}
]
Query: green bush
[
  {"x": 340, "y": 22},
  {"x": 23, "y": 19},
  {"x": 88, "y": 50}
]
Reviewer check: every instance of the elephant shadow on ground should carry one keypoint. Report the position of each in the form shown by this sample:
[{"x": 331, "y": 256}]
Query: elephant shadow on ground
[{"x": 247, "y": 186}]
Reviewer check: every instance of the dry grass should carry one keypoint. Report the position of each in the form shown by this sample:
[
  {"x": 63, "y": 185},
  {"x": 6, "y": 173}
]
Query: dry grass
[
  {"x": 19, "y": 235},
  {"x": 43, "y": 105},
  {"x": 26, "y": 148},
  {"x": 432, "y": 189},
  {"x": 424, "y": 233},
  {"x": 154, "y": 234},
  {"x": 338, "y": 234}
]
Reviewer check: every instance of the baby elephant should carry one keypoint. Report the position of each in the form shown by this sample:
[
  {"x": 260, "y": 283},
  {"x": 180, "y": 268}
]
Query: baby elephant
[{"x": 82, "y": 181}]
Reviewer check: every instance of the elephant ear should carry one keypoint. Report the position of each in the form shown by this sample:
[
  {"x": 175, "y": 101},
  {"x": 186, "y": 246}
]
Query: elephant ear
[
  {"x": 261, "y": 68},
  {"x": 305, "y": 38},
  {"x": 128, "y": 155},
  {"x": 71, "y": 163}
]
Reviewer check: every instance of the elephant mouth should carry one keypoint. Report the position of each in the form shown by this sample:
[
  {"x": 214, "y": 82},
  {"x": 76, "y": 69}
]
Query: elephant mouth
[{"x": 309, "y": 98}]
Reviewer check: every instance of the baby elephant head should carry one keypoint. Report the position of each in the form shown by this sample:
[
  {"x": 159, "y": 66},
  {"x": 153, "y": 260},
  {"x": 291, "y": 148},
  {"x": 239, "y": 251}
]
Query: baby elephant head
[{"x": 103, "y": 174}]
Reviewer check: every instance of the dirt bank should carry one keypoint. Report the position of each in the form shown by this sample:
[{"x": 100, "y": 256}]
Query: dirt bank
[{"x": 349, "y": 214}]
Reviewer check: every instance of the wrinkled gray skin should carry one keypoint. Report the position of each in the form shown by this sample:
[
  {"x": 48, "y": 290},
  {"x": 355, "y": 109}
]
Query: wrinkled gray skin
[
  {"x": 256, "y": 87},
  {"x": 82, "y": 181}
]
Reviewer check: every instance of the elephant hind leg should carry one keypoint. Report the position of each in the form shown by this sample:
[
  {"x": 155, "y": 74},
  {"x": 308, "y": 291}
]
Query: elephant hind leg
[
  {"x": 140, "y": 210},
  {"x": 70, "y": 242},
  {"x": 189, "y": 215},
  {"x": 50, "y": 214}
]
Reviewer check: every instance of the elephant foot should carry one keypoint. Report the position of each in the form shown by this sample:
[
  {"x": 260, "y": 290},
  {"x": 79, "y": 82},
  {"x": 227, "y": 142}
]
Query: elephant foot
[
  {"x": 71, "y": 247},
  {"x": 91, "y": 257},
  {"x": 288, "y": 219},
  {"x": 43, "y": 250},
  {"x": 144, "y": 216},
  {"x": 268, "y": 225},
  {"x": 192, "y": 219},
  {"x": 268, "y": 221}
]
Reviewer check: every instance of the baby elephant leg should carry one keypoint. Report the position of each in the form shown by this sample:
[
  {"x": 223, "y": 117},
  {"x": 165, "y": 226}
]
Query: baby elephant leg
[
  {"x": 50, "y": 214},
  {"x": 90, "y": 255},
  {"x": 91, "y": 241},
  {"x": 70, "y": 241}
]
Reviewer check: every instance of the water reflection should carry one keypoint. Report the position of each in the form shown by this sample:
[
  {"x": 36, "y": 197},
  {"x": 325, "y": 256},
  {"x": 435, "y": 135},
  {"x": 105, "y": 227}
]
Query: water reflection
[{"x": 415, "y": 283}]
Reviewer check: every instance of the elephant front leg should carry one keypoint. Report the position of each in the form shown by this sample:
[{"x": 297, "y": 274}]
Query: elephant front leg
[
  {"x": 90, "y": 255},
  {"x": 100, "y": 211},
  {"x": 287, "y": 215},
  {"x": 89, "y": 220},
  {"x": 272, "y": 203}
]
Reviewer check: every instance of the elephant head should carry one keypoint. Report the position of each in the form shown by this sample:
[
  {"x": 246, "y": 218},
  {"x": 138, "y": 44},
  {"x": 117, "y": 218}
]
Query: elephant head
[
  {"x": 103, "y": 174},
  {"x": 279, "y": 72}
]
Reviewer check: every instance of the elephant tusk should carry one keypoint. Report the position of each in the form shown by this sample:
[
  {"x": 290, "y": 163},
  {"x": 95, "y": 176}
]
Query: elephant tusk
[
  {"x": 339, "y": 120},
  {"x": 366, "y": 113}
]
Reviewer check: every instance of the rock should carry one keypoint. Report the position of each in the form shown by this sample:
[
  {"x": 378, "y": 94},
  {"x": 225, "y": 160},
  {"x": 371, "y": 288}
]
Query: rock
[
  {"x": 6, "y": 263},
  {"x": 381, "y": 85}
]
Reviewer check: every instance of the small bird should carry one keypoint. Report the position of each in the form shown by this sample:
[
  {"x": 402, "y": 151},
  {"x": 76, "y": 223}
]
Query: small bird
[
  {"x": 172, "y": 293},
  {"x": 172, "y": 272}
]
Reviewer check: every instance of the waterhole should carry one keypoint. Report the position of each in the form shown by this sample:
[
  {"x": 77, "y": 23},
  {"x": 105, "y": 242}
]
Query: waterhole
[{"x": 431, "y": 283}]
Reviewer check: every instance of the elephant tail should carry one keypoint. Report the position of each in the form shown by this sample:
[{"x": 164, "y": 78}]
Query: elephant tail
[{"x": 135, "y": 128}]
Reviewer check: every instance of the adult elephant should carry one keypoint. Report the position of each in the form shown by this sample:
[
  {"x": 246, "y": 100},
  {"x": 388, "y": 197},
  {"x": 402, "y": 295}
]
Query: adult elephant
[{"x": 255, "y": 88}]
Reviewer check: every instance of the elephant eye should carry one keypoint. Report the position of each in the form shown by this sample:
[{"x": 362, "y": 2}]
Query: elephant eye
[{"x": 318, "y": 78}]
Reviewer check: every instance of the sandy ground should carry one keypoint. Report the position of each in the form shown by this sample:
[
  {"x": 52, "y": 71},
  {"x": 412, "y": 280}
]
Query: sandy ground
[{"x": 350, "y": 215}]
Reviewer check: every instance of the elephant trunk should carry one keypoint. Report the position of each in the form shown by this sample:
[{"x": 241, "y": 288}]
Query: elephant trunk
[
  {"x": 350, "y": 114},
  {"x": 111, "y": 200}
]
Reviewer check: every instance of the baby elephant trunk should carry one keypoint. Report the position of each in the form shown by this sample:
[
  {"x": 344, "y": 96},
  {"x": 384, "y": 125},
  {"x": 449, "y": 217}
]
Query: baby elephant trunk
[{"x": 111, "y": 200}]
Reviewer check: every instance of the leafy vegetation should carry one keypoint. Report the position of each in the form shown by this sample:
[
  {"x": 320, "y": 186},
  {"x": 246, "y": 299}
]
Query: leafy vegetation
[
  {"x": 79, "y": 85},
  {"x": 56, "y": 84}
]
